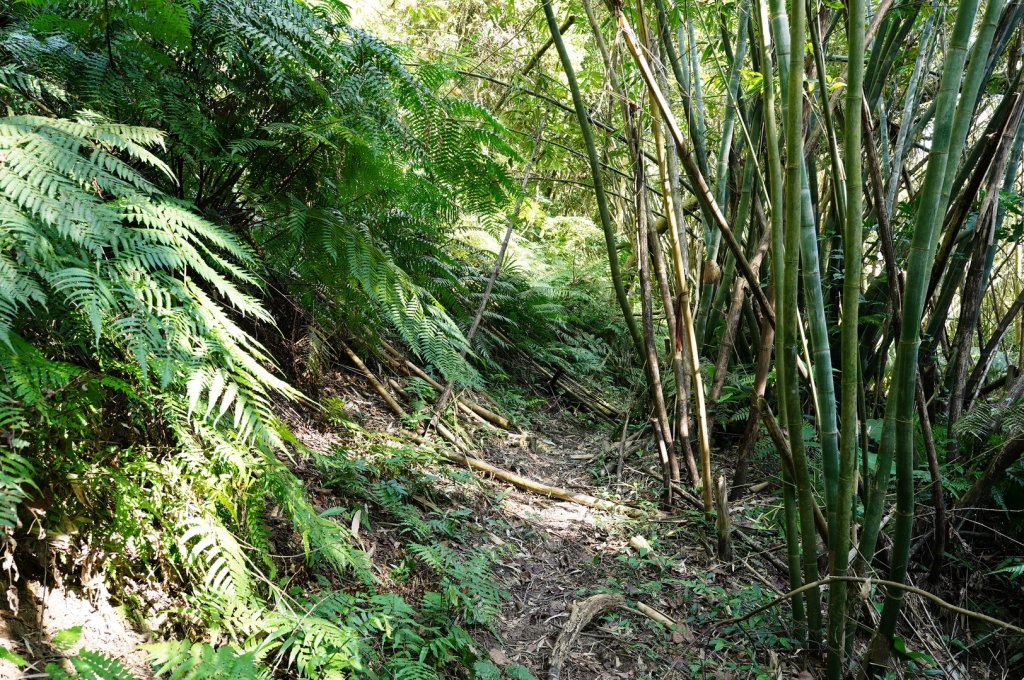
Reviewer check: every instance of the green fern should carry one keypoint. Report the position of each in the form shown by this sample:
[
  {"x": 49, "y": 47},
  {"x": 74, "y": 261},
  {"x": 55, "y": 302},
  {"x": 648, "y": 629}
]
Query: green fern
[
  {"x": 187, "y": 661},
  {"x": 88, "y": 665}
]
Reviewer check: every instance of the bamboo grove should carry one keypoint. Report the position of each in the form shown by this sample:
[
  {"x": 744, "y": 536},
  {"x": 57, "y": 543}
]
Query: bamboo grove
[
  {"x": 853, "y": 235},
  {"x": 805, "y": 265}
]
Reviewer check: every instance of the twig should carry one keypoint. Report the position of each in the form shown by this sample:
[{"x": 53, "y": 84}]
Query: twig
[
  {"x": 888, "y": 584},
  {"x": 622, "y": 449}
]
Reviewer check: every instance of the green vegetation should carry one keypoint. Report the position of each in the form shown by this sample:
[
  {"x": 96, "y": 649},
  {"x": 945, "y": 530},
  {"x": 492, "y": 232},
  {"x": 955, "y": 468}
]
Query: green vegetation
[{"x": 284, "y": 283}]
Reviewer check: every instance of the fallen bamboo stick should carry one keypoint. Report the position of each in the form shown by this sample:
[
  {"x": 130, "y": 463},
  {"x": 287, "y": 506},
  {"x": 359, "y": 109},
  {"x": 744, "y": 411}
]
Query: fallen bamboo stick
[
  {"x": 395, "y": 385},
  {"x": 409, "y": 367},
  {"x": 544, "y": 489},
  {"x": 463, "y": 459},
  {"x": 452, "y": 438},
  {"x": 723, "y": 523}
]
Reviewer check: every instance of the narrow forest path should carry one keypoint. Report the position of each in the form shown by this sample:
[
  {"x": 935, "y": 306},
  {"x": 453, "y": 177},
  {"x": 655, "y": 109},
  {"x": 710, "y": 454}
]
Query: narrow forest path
[
  {"x": 560, "y": 553},
  {"x": 549, "y": 554}
]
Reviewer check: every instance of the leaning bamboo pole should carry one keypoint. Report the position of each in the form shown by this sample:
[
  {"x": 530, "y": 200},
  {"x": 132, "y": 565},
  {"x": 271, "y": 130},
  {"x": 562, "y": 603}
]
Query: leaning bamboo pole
[
  {"x": 683, "y": 306},
  {"x": 900, "y": 444},
  {"x": 721, "y": 179},
  {"x": 499, "y": 260},
  {"x": 700, "y": 186}
]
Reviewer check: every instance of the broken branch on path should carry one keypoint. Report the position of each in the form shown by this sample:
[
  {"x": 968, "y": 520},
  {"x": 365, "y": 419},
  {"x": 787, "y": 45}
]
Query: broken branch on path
[
  {"x": 544, "y": 489},
  {"x": 390, "y": 400},
  {"x": 585, "y": 611}
]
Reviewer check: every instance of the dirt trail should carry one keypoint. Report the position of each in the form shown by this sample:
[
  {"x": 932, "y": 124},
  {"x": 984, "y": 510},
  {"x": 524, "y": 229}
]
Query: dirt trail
[
  {"x": 551, "y": 554},
  {"x": 562, "y": 552}
]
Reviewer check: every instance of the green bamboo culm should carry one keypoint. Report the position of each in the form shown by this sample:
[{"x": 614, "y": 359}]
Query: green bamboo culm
[
  {"x": 962, "y": 120},
  {"x": 775, "y": 188},
  {"x": 595, "y": 169},
  {"x": 791, "y": 339},
  {"x": 825, "y": 393},
  {"x": 852, "y": 250},
  {"x": 721, "y": 187},
  {"x": 927, "y": 222}
]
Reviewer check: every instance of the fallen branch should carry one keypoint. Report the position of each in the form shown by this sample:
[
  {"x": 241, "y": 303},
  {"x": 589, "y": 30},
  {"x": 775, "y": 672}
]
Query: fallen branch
[
  {"x": 452, "y": 438},
  {"x": 585, "y": 611},
  {"x": 581, "y": 614},
  {"x": 464, "y": 457},
  {"x": 410, "y": 368},
  {"x": 654, "y": 615},
  {"x": 544, "y": 489}
]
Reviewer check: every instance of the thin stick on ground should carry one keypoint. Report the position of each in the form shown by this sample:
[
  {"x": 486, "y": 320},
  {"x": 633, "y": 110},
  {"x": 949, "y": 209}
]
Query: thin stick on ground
[{"x": 888, "y": 584}]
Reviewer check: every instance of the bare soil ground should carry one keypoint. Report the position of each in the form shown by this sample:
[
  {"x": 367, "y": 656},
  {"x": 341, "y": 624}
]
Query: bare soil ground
[{"x": 45, "y": 611}]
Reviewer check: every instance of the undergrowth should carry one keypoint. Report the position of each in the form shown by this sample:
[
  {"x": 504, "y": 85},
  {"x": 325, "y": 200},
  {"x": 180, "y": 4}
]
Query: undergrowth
[{"x": 407, "y": 612}]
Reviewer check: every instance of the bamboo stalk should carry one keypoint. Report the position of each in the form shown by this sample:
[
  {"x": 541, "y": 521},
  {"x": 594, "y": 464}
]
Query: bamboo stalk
[
  {"x": 704, "y": 196},
  {"x": 903, "y": 587},
  {"x": 721, "y": 178},
  {"x": 672, "y": 349},
  {"x": 776, "y": 189},
  {"x": 922, "y": 251},
  {"x": 683, "y": 301},
  {"x": 794, "y": 134},
  {"x": 853, "y": 258},
  {"x": 595, "y": 170},
  {"x": 782, "y": 445},
  {"x": 820, "y": 377},
  {"x": 663, "y": 428}
]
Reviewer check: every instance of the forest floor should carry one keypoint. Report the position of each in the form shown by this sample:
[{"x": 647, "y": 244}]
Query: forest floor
[
  {"x": 546, "y": 554},
  {"x": 551, "y": 554},
  {"x": 563, "y": 553}
]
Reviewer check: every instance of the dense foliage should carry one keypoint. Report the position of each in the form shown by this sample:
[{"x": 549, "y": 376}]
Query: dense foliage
[
  {"x": 175, "y": 177},
  {"x": 714, "y": 210}
]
